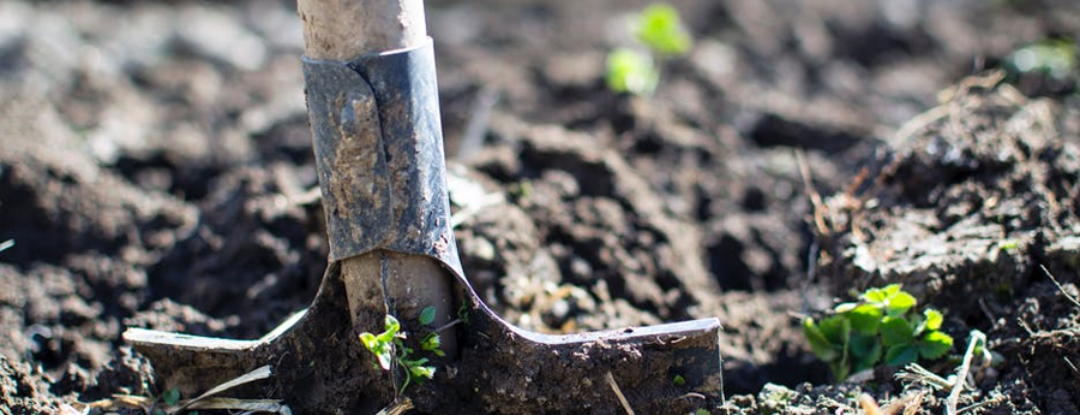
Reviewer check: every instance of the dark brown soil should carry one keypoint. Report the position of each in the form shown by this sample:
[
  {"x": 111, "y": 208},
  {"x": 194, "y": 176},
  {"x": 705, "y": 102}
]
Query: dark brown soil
[{"x": 156, "y": 171}]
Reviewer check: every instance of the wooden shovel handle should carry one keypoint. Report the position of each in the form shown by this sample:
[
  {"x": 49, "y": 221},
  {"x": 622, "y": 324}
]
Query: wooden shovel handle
[{"x": 344, "y": 29}]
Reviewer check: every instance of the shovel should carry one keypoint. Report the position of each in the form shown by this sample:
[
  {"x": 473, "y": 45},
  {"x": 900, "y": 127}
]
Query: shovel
[{"x": 369, "y": 69}]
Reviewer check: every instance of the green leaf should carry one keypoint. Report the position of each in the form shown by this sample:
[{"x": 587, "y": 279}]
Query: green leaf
[
  {"x": 821, "y": 346},
  {"x": 659, "y": 28},
  {"x": 1054, "y": 57},
  {"x": 899, "y": 303},
  {"x": 1008, "y": 244},
  {"x": 383, "y": 355},
  {"x": 934, "y": 319},
  {"x": 836, "y": 329},
  {"x": 370, "y": 341},
  {"x": 865, "y": 351},
  {"x": 934, "y": 345},
  {"x": 422, "y": 371},
  {"x": 427, "y": 316},
  {"x": 631, "y": 71},
  {"x": 840, "y": 370},
  {"x": 876, "y": 295},
  {"x": 901, "y": 354},
  {"x": 896, "y": 331},
  {"x": 892, "y": 289},
  {"x": 417, "y": 368},
  {"x": 377, "y": 346},
  {"x": 414, "y": 362},
  {"x": 678, "y": 381},
  {"x": 392, "y": 327},
  {"x": 431, "y": 342},
  {"x": 890, "y": 297},
  {"x": 392, "y": 324},
  {"x": 171, "y": 396},
  {"x": 844, "y": 307},
  {"x": 865, "y": 318}
]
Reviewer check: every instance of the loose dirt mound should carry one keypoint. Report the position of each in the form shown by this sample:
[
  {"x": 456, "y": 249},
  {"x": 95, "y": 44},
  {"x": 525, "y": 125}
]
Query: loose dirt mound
[{"x": 974, "y": 209}]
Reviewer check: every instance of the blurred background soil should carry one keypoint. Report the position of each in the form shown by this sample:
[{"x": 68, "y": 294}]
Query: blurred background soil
[{"x": 156, "y": 171}]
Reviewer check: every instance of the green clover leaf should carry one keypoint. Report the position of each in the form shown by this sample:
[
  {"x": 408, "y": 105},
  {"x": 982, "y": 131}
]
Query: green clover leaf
[
  {"x": 901, "y": 354},
  {"x": 934, "y": 345},
  {"x": 865, "y": 318}
]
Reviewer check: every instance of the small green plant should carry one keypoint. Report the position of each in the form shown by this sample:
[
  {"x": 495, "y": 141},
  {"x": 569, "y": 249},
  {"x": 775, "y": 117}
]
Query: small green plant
[
  {"x": 1055, "y": 58},
  {"x": 171, "y": 396},
  {"x": 631, "y": 71},
  {"x": 463, "y": 312},
  {"x": 389, "y": 347},
  {"x": 857, "y": 335},
  {"x": 660, "y": 31},
  {"x": 1008, "y": 244}
]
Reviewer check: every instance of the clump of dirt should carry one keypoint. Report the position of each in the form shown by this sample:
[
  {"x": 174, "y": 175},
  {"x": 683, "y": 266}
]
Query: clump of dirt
[
  {"x": 973, "y": 208},
  {"x": 20, "y": 392},
  {"x": 982, "y": 191}
]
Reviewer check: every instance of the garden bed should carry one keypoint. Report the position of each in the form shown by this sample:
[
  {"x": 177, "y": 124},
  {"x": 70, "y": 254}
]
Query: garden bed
[{"x": 156, "y": 171}]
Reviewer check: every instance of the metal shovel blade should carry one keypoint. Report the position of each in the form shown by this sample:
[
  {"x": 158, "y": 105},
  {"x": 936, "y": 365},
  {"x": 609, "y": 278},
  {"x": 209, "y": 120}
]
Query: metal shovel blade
[{"x": 320, "y": 367}]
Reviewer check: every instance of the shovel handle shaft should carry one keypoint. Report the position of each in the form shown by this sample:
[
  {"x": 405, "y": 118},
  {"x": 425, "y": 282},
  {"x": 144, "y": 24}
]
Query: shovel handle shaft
[
  {"x": 344, "y": 29},
  {"x": 387, "y": 279}
]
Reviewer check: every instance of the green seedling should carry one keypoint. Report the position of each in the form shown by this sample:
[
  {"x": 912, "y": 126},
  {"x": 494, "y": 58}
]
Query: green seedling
[
  {"x": 631, "y": 71},
  {"x": 660, "y": 29},
  {"x": 661, "y": 33},
  {"x": 171, "y": 396},
  {"x": 678, "y": 381},
  {"x": 1008, "y": 244},
  {"x": 463, "y": 312},
  {"x": 1052, "y": 57},
  {"x": 389, "y": 347},
  {"x": 881, "y": 328}
]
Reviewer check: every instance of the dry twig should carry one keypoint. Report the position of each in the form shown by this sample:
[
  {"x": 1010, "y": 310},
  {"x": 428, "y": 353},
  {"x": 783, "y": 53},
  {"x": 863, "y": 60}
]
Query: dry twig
[
  {"x": 869, "y": 405},
  {"x": 397, "y": 408},
  {"x": 977, "y": 337},
  {"x": 619, "y": 394},
  {"x": 1058, "y": 284},
  {"x": 820, "y": 210},
  {"x": 254, "y": 375}
]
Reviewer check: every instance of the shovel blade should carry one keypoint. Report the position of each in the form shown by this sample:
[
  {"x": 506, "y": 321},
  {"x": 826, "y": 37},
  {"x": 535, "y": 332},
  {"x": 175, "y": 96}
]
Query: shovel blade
[{"x": 664, "y": 369}]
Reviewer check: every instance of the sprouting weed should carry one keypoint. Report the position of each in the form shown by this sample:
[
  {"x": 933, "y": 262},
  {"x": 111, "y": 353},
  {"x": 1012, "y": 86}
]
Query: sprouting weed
[
  {"x": 881, "y": 327},
  {"x": 660, "y": 31},
  {"x": 389, "y": 347}
]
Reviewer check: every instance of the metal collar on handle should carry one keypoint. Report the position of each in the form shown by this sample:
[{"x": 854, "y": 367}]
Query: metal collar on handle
[{"x": 379, "y": 152}]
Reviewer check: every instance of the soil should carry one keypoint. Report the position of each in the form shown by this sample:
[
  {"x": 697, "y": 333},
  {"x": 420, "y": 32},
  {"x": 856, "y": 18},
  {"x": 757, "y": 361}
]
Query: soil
[{"x": 156, "y": 171}]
